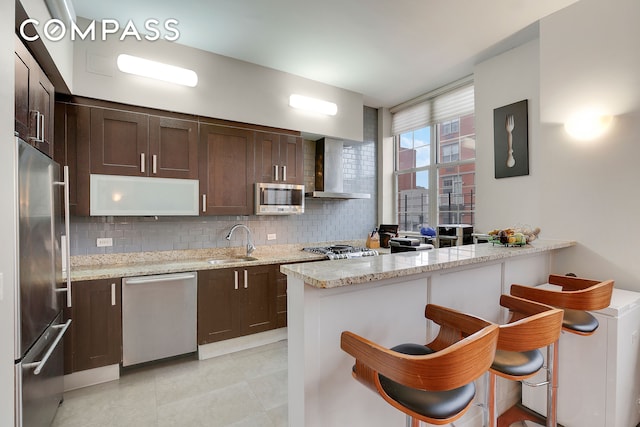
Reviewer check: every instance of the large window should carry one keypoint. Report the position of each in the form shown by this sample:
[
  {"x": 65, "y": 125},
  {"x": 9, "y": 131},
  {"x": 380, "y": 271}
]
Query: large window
[{"x": 435, "y": 159}]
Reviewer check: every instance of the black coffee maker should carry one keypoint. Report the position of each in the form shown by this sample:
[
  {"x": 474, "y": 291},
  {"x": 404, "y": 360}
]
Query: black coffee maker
[{"x": 386, "y": 232}]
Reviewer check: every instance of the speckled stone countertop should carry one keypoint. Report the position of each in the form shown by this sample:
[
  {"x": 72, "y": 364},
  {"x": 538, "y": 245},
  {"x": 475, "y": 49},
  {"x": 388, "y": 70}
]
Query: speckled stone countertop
[
  {"x": 108, "y": 266},
  {"x": 332, "y": 274}
]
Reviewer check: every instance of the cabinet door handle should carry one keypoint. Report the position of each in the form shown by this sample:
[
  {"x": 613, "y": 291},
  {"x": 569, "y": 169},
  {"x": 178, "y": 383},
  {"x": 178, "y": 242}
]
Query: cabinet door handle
[
  {"x": 42, "y": 128},
  {"x": 142, "y": 162},
  {"x": 37, "y": 138},
  {"x": 113, "y": 294},
  {"x": 39, "y": 123},
  {"x": 204, "y": 203},
  {"x": 235, "y": 279},
  {"x": 246, "y": 282},
  {"x": 284, "y": 173},
  {"x": 275, "y": 172},
  {"x": 154, "y": 160}
]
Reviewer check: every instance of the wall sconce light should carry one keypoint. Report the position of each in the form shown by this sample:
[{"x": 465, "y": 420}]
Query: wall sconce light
[
  {"x": 313, "y": 104},
  {"x": 157, "y": 70},
  {"x": 587, "y": 125}
]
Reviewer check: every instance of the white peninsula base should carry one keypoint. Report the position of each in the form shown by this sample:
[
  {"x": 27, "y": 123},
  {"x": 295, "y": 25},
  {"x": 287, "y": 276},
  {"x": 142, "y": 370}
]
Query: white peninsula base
[{"x": 390, "y": 311}]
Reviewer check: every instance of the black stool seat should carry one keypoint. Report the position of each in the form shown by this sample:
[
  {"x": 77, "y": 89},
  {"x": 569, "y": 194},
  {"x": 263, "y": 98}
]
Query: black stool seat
[
  {"x": 517, "y": 364},
  {"x": 580, "y": 321},
  {"x": 432, "y": 404}
]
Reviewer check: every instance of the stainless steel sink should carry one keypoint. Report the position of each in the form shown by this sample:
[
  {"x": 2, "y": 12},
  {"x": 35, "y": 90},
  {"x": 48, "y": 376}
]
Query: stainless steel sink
[{"x": 216, "y": 261}]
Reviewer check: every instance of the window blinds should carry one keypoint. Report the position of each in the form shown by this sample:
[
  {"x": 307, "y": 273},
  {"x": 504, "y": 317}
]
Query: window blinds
[
  {"x": 448, "y": 102},
  {"x": 414, "y": 117}
]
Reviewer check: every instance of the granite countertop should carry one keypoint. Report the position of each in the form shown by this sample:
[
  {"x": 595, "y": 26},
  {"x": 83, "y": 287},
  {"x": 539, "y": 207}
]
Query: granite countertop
[
  {"x": 108, "y": 266},
  {"x": 332, "y": 274}
]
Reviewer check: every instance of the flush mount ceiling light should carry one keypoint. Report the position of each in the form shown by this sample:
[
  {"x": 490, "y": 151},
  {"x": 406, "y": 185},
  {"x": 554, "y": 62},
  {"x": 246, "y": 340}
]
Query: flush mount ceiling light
[
  {"x": 157, "y": 70},
  {"x": 587, "y": 125},
  {"x": 313, "y": 104}
]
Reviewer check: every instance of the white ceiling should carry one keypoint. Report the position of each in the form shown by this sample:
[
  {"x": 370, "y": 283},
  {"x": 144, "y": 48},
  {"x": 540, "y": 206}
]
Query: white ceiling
[{"x": 388, "y": 50}]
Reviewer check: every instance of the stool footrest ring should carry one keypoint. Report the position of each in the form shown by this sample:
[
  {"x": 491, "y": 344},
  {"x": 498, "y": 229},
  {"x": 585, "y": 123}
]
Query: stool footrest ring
[{"x": 540, "y": 384}]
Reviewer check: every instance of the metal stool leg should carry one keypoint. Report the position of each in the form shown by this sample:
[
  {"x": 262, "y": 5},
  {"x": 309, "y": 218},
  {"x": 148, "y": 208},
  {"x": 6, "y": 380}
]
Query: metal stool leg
[
  {"x": 412, "y": 422},
  {"x": 491, "y": 413},
  {"x": 552, "y": 388}
]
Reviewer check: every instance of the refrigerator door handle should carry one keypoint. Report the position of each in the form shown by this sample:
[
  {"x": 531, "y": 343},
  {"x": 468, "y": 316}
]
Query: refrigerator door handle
[
  {"x": 39, "y": 365},
  {"x": 67, "y": 246}
]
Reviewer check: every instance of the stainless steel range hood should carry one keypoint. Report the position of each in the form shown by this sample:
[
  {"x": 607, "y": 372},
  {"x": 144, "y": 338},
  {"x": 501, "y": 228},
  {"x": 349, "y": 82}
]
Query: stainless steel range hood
[{"x": 329, "y": 183}]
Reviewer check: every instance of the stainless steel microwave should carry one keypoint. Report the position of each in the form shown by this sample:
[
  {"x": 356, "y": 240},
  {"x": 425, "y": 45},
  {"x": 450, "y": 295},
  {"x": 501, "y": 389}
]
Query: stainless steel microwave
[{"x": 279, "y": 199}]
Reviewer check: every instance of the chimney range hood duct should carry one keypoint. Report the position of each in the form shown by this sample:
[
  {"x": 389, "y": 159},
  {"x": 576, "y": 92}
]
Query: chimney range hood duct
[{"x": 329, "y": 172}]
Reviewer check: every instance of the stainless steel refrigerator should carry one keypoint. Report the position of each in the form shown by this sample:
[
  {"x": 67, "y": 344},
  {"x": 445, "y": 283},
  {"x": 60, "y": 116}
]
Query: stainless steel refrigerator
[{"x": 40, "y": 298}]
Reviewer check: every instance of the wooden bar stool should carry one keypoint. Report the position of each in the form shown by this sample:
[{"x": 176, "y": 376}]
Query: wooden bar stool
[
  {"x": 576, "y": 296},
  {"x": 531, "y": 326},
  {"x": 434, "y": 382}
]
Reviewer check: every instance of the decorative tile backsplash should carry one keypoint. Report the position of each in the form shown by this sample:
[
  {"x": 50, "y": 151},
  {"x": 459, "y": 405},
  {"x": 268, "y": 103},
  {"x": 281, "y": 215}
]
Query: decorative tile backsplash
[{"x": 323, "y": 220}]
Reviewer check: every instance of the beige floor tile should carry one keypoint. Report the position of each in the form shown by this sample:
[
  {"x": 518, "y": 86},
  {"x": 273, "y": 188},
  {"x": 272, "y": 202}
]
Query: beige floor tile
[
  {"x": 248, "y": 388},
  {"x": 258, "y": 420},
  {"x": 279, "y": 416},
  {"x": 270, "y": 389}
]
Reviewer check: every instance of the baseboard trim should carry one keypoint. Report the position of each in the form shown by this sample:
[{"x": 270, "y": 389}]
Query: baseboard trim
[
  {"x": 90, "y": 377},
  {"x": 233, "y": 345}
]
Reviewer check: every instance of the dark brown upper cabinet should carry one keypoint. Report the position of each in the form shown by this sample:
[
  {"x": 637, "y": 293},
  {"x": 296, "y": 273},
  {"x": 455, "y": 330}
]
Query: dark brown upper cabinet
[
  {"x": 34, "y": 101},
  {"x": 72, "y": 134},
  {"x": 173, "y": 145},
  {"x": 279, "y": 158},
  {"x": 136, "y": 144},
  {"x": 228, "y": 158},
  {"x": 226, "y": 170},
  {"x": 119, "y": 142}
]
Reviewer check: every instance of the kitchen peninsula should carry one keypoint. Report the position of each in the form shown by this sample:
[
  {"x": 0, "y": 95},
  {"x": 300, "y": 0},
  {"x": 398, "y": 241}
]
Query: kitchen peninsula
[{"x": 383, "y": 299}]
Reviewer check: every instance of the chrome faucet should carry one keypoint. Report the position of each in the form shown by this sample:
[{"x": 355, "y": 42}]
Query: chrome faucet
[{"x": 250, "y": 246}]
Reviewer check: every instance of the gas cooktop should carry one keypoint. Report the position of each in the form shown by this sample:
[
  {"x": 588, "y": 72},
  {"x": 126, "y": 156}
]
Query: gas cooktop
[{"x": 342, "y": 251}]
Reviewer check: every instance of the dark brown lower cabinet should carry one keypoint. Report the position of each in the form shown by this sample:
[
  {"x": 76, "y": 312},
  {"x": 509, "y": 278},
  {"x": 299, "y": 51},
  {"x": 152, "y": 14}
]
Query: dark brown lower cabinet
[
  {"x": 234, "y": 302},
  {"x": 94, "y": 338}
]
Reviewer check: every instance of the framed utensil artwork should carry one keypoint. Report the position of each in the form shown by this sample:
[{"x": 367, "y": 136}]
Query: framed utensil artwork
[{"x": 510, "y": 139}]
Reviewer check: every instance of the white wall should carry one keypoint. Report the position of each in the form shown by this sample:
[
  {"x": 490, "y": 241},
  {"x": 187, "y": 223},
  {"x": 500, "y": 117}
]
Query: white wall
[
  {"x": 588, "y": 54},
  {"x": 502, "y": 80},
  {"x": 227, "y": 88},
  {"x": 7, "y": 219},
  {"x": 61, "y": 52},
  {"x": 386, "y": 166}
]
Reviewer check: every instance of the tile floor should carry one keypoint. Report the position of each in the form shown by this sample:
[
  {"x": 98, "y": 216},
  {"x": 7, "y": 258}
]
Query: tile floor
[{"x": 244, "y": 389}]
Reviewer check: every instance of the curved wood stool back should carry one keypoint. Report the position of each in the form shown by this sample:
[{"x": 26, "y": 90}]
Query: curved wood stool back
[
  {"x": 577, "y": 296},
  {"x": 428, "y": 378},
  {"x": 531, "y": 326}
]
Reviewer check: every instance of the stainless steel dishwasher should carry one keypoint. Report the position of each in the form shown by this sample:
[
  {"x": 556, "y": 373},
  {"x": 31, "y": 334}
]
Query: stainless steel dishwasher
[{"x": 158, "y": 317}]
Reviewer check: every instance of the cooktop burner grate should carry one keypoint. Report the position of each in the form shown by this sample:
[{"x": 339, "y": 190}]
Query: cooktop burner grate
[{"x": 342, "y": 251}]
